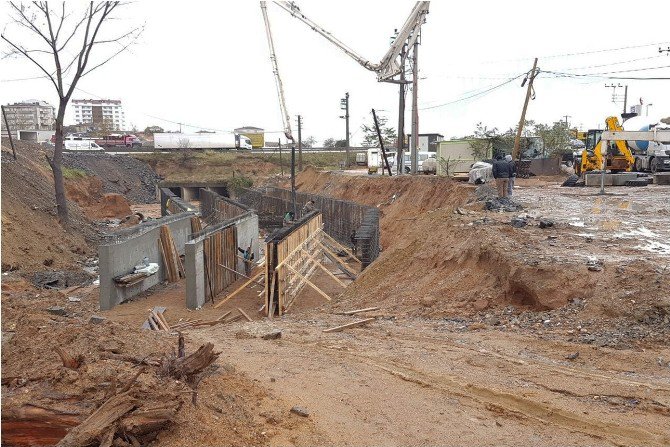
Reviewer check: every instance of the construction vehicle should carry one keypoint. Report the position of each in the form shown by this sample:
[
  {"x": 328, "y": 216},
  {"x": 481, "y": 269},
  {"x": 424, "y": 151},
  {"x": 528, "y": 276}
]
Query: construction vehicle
[
  {"x": 119, "y": 140},
  {"x": 617, "y": 157},
  {"x": 650, "y": 156}
]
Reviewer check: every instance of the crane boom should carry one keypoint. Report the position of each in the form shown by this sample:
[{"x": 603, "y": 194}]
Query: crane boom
[
  {"x": 286, "y": 119},
  {"x": 388, "y": 67}
]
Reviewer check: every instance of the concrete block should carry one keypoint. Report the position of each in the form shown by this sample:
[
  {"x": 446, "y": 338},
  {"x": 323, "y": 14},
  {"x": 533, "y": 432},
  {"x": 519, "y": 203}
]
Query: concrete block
[
  {"x": 195, "y": 274},
  {"x": 610, "y": 179},
  {"x": 662, "y": 178}
]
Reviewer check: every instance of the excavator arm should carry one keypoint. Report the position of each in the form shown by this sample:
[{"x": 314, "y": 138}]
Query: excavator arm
[{"x": 594, "y": 162}]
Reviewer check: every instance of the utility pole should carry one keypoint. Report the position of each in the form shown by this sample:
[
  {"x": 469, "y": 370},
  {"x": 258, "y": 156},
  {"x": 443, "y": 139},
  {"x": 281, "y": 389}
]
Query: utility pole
[
  {"x": 661, "y": 50},
  {"x": 400, "y": 144},
  {"x": 299, "y": 143},
  {"x": 414, "y": 157},
  {"x": 346, "y": 118},
  {"x": 567, "y": 126},
  {"x": 516, "y": 153},
  {"x": 293, "y": 205},
  {"x": 9, "y": 131},
  {"x": 625, "y": 98},
  {"x": 179, "y": 127},
  {"x": 281, "y": 165}
]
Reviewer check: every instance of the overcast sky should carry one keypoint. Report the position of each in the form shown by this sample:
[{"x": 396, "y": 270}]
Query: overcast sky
[{"x": 206, "y": 64}]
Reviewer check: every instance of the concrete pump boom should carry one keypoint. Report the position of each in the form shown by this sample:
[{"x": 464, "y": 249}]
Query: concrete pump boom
[
  {"x": 388, "y": 67},
  {"x": 286, "y": 119}
]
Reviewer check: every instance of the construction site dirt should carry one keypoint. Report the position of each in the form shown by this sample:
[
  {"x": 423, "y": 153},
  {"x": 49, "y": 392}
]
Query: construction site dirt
[{"x": 547, "y": 325}]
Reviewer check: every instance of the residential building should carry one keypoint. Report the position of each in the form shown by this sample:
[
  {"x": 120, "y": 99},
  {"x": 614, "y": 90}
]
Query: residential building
[
  {"x": 29, "y": 115},
  {"x": 99, "y": 113}
]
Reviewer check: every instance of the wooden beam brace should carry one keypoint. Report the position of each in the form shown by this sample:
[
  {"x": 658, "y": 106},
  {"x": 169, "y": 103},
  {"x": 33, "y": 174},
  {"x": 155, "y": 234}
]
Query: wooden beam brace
[
  {"x": 314, "y": 260},
  {"x": 333, "y": 257},
  {"x": 300, "y": 246},
  {"x": 342, "y": 247},
  {"x": 239, "y": 289},
  {"x": 321, "y": 292},
  {"x": 348, "y": 325}
]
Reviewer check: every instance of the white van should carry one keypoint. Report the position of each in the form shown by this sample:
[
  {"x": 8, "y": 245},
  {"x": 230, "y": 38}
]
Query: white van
[
  {"x": 375, "y": 160},
  {"x": 71, "y": 144},
  {"x": 423, "y": 156}
]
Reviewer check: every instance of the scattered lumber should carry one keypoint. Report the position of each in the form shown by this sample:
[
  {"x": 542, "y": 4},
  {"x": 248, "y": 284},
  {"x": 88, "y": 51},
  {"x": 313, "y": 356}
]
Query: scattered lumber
[
  {"x": 196, "y": 224},
  {"x": 244, "y": 314},
  {"x": 156, "y": 320},
  {"x": 348, "y": 325},
  {"x": 173, "y": 266},
  {"x": 130, "y": 279},
  {"x": 357, "y": 311},
  {"x": 98, "y": 423},
  {"x": 68, "y": 360},
  {"x": 187, "y": 367}
]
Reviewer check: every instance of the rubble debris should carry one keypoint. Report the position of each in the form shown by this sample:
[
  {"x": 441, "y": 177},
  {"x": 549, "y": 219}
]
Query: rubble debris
[
  {"x": 97, "y": 319},
  {"x": 572, "y": 356},
  {"x": 274, "y": 335},
  {"x": 594, "y": 265},
  {"x": 57, "y": 310},
  {"x": 503, "y": 204},
  {"x": 518, "y": 222},
  {"x": 300, "y": 411},
  {"x": 546, "y": 223}
]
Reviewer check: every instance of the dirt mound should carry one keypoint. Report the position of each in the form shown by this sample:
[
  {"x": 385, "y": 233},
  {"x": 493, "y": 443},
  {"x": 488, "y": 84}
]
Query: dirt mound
[
  {"x": 87, "y": 192},
  {"x": 43, "y": 400},
  {"x": 445, "y": 255},
  {"x": 32, "y": 238},
  {"x": 119, "y": 174}
]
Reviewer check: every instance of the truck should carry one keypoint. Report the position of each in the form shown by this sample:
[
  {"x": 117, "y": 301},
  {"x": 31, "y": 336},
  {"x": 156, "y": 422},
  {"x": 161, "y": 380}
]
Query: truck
[
  {"x": 201, "y": 141},
  {"x": 119, "y": 140},
  {"x": 650, "y": 156},
  {"x": 376, "y": 160},
  {"x": 76, "y": 144}
]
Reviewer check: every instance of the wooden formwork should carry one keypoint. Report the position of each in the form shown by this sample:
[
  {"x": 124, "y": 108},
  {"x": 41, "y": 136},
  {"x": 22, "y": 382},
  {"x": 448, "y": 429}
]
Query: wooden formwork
[
  {"x": 292, "y": 258},
  {"x": 220, "y": 249}
]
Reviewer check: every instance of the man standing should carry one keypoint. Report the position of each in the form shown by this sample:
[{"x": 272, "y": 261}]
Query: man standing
[
  {"x": 512, "y": 174},
  {"x": 501, "y": 172}
]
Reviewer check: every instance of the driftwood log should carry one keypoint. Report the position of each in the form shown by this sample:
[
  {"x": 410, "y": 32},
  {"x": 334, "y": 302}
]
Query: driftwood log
[
  {"x": 99, "y": 423},
  {"x": 188, "y": 367}
]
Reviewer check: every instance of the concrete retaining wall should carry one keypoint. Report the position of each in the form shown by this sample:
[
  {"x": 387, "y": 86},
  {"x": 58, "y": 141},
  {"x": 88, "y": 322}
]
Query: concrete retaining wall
[
  {"x": 220, "y": 208},
  {"x": 122, "y": 251},
  {"x": 246, "y": 227},
  {"x": 172, "y": 203}
]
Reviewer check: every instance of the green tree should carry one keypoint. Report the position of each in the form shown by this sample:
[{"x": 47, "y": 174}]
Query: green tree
[
  {"x": 150, "y": 130},
  {"x": 556, "y": 138},
  {"x": 329, "y": 142},
  {"x": 308, "y": 142},
  {"x": 370, "y": 138},
  {"x": 341, "y": 143}
]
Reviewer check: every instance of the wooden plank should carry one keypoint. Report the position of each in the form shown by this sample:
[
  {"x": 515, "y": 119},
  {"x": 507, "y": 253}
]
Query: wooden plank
[
  {"x": 348, "y": 325},
  {"x": 238, "y": 290},
  {"x": 165, "y": 261},
  {"x": 161, "y": 317},
  {"x": 240, "y": 274},
  {"x": 224, "y": 315},
  {"x": 270, "y": 303},
  {"x": 333, "y": 257},
  {"x": 152, "y": 324},
  {"x": 321, "y": 292},
  {"x": 244, "y": 314},
  {"x": 297, "y": 249},
  {"x": 314, "y": 260},
  {"x": 159, "y": 322},
  {"x": 357, "y": 311},
  {"x": 342, "y": 247}
]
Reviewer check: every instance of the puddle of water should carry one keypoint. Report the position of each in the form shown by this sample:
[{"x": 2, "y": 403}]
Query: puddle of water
[{"x": 655, "y": 247}]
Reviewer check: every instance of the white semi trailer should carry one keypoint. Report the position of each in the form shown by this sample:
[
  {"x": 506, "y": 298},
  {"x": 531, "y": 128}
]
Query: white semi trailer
[{"x": 201, "y": 141}]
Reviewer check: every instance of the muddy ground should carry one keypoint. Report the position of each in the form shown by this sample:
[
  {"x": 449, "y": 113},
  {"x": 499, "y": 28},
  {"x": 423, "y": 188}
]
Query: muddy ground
[{"x": 486, "y": 333}]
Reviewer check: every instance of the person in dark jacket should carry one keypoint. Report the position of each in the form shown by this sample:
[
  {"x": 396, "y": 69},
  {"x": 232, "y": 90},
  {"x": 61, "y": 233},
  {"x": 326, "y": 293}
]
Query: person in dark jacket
[
  {"x": 512, "y": 174},
  {"x": 501, "y": 172}
]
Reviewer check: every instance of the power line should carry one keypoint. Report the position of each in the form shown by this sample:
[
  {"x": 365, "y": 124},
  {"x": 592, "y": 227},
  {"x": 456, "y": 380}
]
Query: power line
[
  {"x": 600, "y": 75},
  {"x": 474, "y": 95},
  {"x": 609, "y": 64}
]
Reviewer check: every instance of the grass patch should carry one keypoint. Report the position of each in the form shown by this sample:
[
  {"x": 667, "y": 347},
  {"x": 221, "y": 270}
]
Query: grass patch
[{"x": 73, "y": 173}]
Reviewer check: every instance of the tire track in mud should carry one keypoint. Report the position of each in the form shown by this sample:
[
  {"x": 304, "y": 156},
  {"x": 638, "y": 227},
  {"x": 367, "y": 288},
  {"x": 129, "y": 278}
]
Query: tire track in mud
[
  {"x": 509, "y": 403},
  {"x": 545, "y": 366}
]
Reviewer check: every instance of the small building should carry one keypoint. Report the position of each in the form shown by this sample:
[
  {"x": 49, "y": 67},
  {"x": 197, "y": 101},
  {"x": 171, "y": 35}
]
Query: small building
[
  {"x": 455, "y": 156},
  {"x": 427, "y": 141},
  {"x": 255, "y": 134},
  {"x": 101, "y": 114}
]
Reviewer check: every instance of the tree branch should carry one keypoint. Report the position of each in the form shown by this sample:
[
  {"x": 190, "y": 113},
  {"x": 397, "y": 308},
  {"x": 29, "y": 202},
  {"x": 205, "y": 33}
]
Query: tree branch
[{"x": 25, "y": 53}]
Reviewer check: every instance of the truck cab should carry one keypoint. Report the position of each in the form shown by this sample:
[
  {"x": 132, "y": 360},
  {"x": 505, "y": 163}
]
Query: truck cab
[{"x": 244, "y": 142}]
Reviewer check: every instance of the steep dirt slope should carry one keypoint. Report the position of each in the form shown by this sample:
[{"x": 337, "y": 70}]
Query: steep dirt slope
[{"x": 32, "y": 239}]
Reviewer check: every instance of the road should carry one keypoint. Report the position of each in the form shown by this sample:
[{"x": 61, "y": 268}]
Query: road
[{"x": 413, "y": 382}]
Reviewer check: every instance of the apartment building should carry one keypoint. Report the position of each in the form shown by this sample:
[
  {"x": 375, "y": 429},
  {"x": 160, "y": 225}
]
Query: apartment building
[
  {"x": 30, "y": 115},
  {"x": 99, "y": 113}
]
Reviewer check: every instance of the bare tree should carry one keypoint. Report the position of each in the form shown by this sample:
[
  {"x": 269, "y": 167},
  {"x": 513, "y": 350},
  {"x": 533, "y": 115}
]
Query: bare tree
[{"x": 63, "y": 35}]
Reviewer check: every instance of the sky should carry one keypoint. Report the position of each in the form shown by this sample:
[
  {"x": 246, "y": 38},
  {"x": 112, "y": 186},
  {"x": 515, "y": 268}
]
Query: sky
[{"x": 206, "y": 64}]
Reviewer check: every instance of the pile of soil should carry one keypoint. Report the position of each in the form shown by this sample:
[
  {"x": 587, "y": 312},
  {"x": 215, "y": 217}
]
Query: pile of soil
[
  {"x": 119, "y": 174},
  {"x": 88, "y": 193},
  {"x": 32, "y": 238},
  {"x": 445, "y": 256},
  {"x": 44, "y": 400}
]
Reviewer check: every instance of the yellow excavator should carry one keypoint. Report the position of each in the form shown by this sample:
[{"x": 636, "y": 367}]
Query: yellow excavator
[{"x": 619, "y": 158}]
